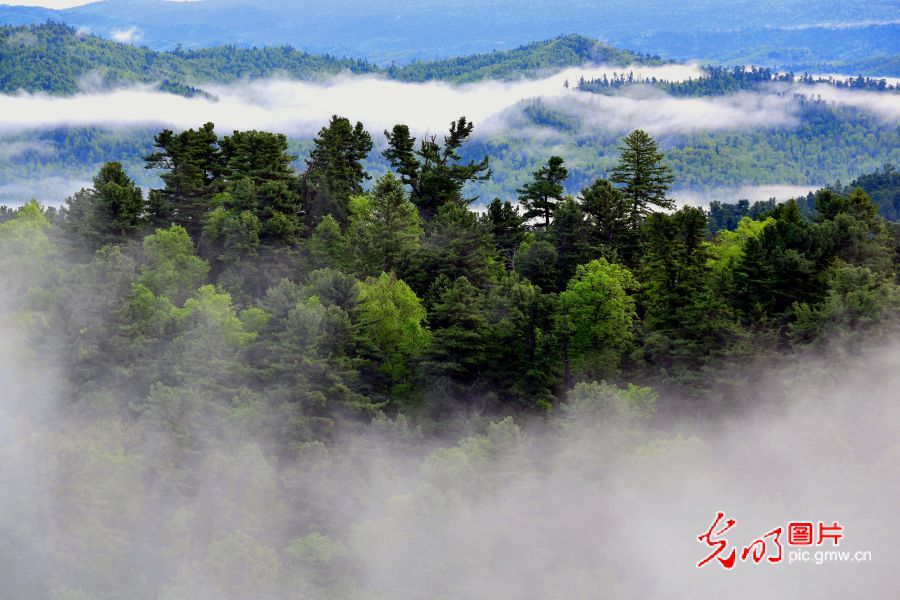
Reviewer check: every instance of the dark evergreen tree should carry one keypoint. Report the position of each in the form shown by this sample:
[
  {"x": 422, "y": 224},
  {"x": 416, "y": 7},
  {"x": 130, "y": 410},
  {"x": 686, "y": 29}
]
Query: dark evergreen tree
[
  {"x": 112, "y": 211},
  {"x": 334, "y": 169},
  {"x": 607, "y": 215},
  {"x": 644, "y": 178},
  {"x": 457, "y": 243},
  {"x": 569, "y": 234},
  {"x": 433, "y": 172},
  {"x": 192, "y": 173},
  {"x": 540, "y": 196},
  {"x": 458, "y": 350},
  {"x": 507, "y": 228}
]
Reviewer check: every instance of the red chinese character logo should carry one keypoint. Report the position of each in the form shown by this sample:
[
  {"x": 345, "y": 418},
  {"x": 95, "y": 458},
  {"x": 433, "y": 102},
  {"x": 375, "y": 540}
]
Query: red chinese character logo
[
  {"x": 719, "y": 545},
  {"x": 757, "y": 549},
  {"x": 800, "y": 534},
  {"x": 834, "y": 532}
]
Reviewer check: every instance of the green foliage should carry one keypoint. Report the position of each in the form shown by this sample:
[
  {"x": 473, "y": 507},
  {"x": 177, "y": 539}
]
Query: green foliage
[
  {"x": 192, "y": 174},
  {"x": 110, "y": 212},
  {"x": 392, "y": 319},
  {"x": 531, "y": 60},
  {"x": 460, "y": 333},
  {"x": 718, "y": 81},
  {"x": 607, "y": 212},
  {"x": 385, "y": 229},
  {"x": 597, "y": 315},
  {"x": 334, "y": 170},
  {"x": 540, "y": 197},
  {"x": 643, "y": 176},
  {"x": 171, "y": 268},
  {"x": 507, "y": 227},
  {"x": 536, "y": 260},
  {"x": 55, "y": 58},
  {"x": 602, "y": 403},
  {"x": 434, "y": 171},
  {"x": 327, "y": 246},
  {"x": 226, "y": 423},
  {"x": 856, "y": 301},
  {"x": 457, "y": 244},
  {"x": 25, "y": 252},
  {"x": 883, "y": 186}
]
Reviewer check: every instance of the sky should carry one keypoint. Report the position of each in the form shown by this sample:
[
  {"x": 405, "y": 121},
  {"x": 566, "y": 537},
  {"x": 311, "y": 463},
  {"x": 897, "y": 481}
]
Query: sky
[{"x": 57, "y": 4}]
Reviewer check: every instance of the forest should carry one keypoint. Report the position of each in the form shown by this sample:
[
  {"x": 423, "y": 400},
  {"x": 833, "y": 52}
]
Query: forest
[
  {"x": 208, "y": 349},
  {"x": 718, "y": 81},
  {"x": 55, "y": 58},
  {"x": 824, "y": 141}
]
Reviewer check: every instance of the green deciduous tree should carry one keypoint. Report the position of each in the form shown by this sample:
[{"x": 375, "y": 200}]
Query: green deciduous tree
[
  {"x": 392, "y": 319},
  {"x": 171, "y": 268},
  {"x": 597, "y": 314}
]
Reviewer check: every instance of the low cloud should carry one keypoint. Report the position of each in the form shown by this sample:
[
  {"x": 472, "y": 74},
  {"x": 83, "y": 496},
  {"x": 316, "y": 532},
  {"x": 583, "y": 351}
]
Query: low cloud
[
  {"x": 884, "y": 105},
  {"x": 753, "y": 193},
  {"x": 50, "y": 191},
  {"x": 15, "y": 149},
  {"x": 127, "y": 36},
  {"x": 661, "y": 114},
  {"x": 300, "y": 108}
]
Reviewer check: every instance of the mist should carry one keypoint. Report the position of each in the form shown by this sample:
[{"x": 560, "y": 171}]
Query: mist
[
  {"x": 753, "y": 193},
  {"x": 50, "y": 191},
  {"x": 604, "y": 498},
  {"x": 300, "y": 108}
]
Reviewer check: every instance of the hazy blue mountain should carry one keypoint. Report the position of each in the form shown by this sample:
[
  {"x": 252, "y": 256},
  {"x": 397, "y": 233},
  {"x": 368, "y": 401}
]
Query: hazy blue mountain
[
  {"x": 55, "y": 58},
  {"x": 773, "y": 32}
]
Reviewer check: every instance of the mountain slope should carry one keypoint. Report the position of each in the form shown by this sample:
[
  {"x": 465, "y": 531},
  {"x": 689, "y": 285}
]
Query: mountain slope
[
  {"x": 56, "y": 59},
  {"x": 406, "y": 30},
  {"x": 564, "y": 51}
]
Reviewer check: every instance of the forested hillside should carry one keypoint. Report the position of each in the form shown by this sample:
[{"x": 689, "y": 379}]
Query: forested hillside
[
  {"x": 260, "y": 382},
  {"x": 718, "y": 81},
  {"x": 56, "y": 59},
  {"x": 233, "y": 213},
  {"x": 821, "y": 35},
  {"x": 539, "y": 57},
  {"x": 820, "y": 141},
  {"x": 828, "y": 143}
]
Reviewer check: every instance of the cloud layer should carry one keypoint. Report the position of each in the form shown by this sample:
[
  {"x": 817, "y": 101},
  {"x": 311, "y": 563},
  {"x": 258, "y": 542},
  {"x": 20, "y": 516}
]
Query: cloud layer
[{"x": 300, "y": 108}]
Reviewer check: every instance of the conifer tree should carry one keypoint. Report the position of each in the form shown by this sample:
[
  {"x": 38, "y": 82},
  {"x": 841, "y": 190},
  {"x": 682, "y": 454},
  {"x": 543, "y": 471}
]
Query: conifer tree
[{"x": 540, "y": 196}]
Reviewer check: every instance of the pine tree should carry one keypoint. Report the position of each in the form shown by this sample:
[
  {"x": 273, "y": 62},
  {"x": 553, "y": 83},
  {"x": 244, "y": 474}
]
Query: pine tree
[
  {"x": 433, "y": 172},
  {"x": 540, "y": 196},
  {"x": 334, "y": 169},
  {"x": 109, "y": 212},
  {"x": 569, "y": 235},
  {"x": 507, "y": 228},
  {"x": 192, "y": 175},
  {"x": 606, "y": 210},
  {"x": 384, "y": 228},
  {"x": 644, "y": 177}
]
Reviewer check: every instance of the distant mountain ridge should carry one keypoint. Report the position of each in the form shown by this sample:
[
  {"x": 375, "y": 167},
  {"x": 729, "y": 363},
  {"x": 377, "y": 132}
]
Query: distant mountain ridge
[
  {"x": 57, "y": 59},
  {"x": 783, "y": 33}
]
